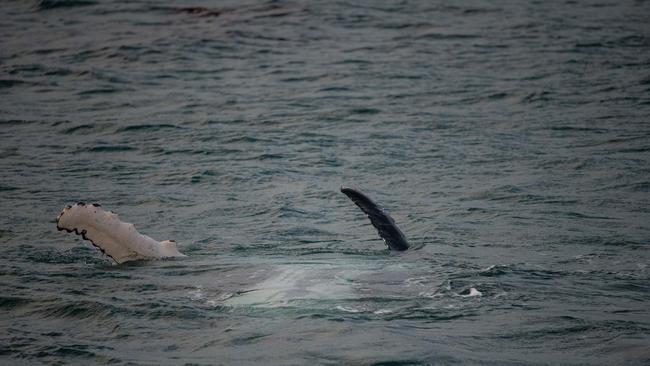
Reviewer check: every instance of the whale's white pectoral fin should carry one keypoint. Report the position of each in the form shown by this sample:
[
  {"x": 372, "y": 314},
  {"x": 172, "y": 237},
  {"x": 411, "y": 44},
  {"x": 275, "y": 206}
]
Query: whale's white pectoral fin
[{"x": 119, "y": 240}]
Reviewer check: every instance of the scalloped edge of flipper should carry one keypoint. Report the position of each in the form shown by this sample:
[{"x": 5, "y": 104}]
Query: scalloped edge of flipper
[{"x": 83, "y": 232}]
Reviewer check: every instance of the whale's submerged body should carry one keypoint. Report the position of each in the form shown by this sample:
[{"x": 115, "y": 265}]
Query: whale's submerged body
[
  {"x": 272, "y": 286},
  {"x": 354, "y": 284}
]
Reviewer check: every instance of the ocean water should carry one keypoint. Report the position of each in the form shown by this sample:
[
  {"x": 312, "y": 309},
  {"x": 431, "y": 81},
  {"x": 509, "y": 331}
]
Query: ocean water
[{"x": 510, "y": 140}]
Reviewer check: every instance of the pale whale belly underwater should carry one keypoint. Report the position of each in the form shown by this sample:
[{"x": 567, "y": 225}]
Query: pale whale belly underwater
[{"x": 352, "y": 286}]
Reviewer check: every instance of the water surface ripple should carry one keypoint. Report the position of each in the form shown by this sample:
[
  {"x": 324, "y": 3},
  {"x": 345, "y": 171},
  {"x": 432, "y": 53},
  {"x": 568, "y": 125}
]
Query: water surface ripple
[{"x": 510, "y": 140}]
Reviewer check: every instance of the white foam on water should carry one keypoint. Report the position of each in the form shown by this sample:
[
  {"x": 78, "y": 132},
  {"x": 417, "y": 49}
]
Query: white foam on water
[{"x": 473, "y": 292}]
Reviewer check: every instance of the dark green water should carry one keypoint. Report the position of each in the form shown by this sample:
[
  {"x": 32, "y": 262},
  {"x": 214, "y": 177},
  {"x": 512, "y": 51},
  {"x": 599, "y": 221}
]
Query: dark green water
[{"x": 509, "y": 139}]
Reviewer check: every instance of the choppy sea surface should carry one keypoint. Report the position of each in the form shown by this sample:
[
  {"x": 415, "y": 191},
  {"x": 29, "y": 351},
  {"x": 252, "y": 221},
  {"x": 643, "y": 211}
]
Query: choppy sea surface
[{"x": 510, "y": 140}]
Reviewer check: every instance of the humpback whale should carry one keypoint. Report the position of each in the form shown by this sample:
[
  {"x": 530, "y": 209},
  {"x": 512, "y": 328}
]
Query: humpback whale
[
  {"x": 122, "y": 242},
  {"x": 117, "y": 239},
  {"x": 379, "y": 218}
]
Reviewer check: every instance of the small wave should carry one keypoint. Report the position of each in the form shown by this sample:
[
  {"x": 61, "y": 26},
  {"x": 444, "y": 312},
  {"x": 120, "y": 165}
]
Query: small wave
[
  {"x": 478, "y": 11},
  {"x": 353, "y": 62},
  {"x": 55, "y": 4},
  {"x": 147, "y": 127},
  {"x": 287, "y": 211},
  {"x": 267, "y": 156},
  {"x": 15, "y": 122},
  {"x": 535, "y": 97},
  {"x": 495, "y": 270},
  {"x": 56, "y": 257},
  {"x": 301, "y": 78},
  {"x": 578, "y": 215},
  {"x": 349, "y": 309},
  {"x": 90, "y": 353},
  {"x": 430, "y": 294},
  {"x": 345, "y": 89},
  {"x": 589, "y": 45},
  {"x": 445, "y": 313},
  {"x": 79, "y": 310},
  {"x": 199, "y": 10},
  {"x": 578, "y": 129},
  {"x": 382, "y": 311},
  {"x": 632, "y": 41},
  {"x": 47, "y": 51},
  {"x": 445, "y": 36},
  {"x": 4, "y": 188},
  {"x": 472, "y": 292},
  {"x": 635, "y": 149},
  {"x": 365, "y": 111},
  {"x": 98, "y": 91},
  {"x": 199, "y": 295},
  {"x": 11, "y": 302},
  {"x": 110, "y": 148},
  {"x": 78, "y": 128},
  {"x": 416, "y": 281},
  {"x": 8, "y": 83}
]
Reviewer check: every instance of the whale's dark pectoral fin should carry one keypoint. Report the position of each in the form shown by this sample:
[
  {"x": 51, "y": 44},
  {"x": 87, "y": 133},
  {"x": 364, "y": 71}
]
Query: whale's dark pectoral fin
[{"x": 388, "y": 230}]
